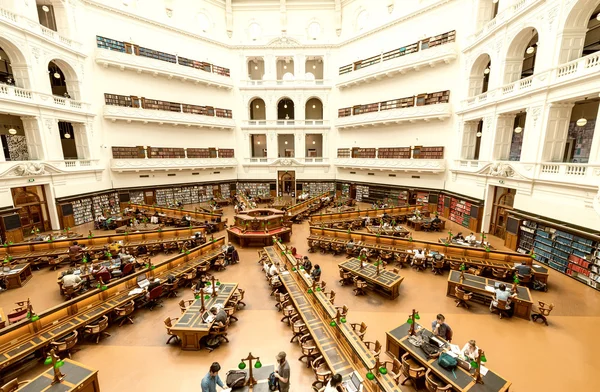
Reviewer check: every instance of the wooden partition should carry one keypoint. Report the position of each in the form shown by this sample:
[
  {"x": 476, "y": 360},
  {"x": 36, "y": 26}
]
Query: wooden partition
[
  {"x": 95, "y": 297},
  {"x": 449, "y": 250},
  {"x": 98, "y": 240},
  {"x": 298, "y": 208},
  {"x": 373, "y": 213},
  {"x": 180, "y": 213}
]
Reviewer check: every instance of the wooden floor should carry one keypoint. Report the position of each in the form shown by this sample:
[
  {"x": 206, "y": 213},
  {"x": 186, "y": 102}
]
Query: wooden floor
[{"x": 560, "y": 357}]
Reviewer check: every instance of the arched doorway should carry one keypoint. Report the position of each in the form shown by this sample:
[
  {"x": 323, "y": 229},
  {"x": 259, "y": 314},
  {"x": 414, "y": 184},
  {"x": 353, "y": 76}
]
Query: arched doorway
[
  {"x": 33, "y": 210},
  {"x": 313, "y": 109},
  {"x": 504, "y": 199},
  {"x": 521, "y": 55},
  {"x": 285, "y": 109},
  {"x": 286, "y": 184},
  {"x": 57, "y": 80},
  {"x": 480, "y": 75},
  {"x": 258, "y": 111}
]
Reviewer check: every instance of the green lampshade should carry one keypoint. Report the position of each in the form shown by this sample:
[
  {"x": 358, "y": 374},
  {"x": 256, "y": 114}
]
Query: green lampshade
[
  {"x": 103, "y": 287},
  {"x": 207, "y": 297},
  {"x": 218, "y": 283},
  {"x": 294, "y": 269},
  {"x": 483, "y": 358},
  {"x": 182, "y": 251},
  {"x": 152, "y": 267},
  {"x": 310, "y": 291},
  {"x": 197, "y": 296},
  {"x": 35, "y": 318},
  {"x": 383, "y": 370},
  {"x": 463, "y": 267},
  {"x": 242, "y": 366},
  {"x": 333, "y": 323},
  {"x": 473, "y": 364},
  {"x": 417, "y": 317},
  {"x": 409, "y": 320},
  {"x": 207, "y": 284},
  {"x": 343, "y": 320},
  {"x": 533, "y": 256},
  {"x": 59, "y": 364},
  {"x": 301, "y": 267},
  {"x": 318, "y": 289},
  {"x": 48, "y": 360},
  {"x": 370, "y": 376},
  {"x": 257, "y": 365}
]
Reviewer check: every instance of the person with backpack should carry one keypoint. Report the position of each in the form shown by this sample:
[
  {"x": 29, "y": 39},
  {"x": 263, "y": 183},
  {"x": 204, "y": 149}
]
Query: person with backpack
[
  {"x": 282, "y": 373},
  {"x": 212, "y": 379}
]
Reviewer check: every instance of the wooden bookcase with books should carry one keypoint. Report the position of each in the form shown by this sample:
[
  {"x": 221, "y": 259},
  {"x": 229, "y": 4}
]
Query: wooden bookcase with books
[
  {"x": 128, "y": 152},
  {"x": 165, "y": 152},
  {"x": 393, "y": 152},
  {"x": 358, "y": 152},
  {"x": 433, "y": 98},
  {"x": 420, "y": 152},
  {"x": 226, "y": 153},
  {"x": 344, "y": 153},
  {"x": 155, "y": 104}
]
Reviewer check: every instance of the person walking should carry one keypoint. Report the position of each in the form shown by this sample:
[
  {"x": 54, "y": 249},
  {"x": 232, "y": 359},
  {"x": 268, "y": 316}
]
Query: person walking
[{"x": 212, "y": 379}]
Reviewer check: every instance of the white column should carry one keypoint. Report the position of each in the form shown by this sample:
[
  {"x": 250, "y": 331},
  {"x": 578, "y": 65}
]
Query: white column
[
  {"x": 52, "y": 209},
  {"x": 81, "y": 140},
  {"x": 300, "y": 145},
  {"x": 63, "y": 18},
  {"x": 512, "y": 70},
  {"x": 486, "y": 145},
  {"x": 270, "y": 67},
  {"x": 571, "y": 45},
  {"x": 74, "y": 88},
  {"x": 34, "y": 135},
  {"x": 51, "y": 136},
  {"x": 475, "y": 85},
  {"x": 272, "y": 144},
  {"x": 299, "y": 66},
  {"x": 504, "y": 130},
  {"x": 21, "y": 73},
  {"x": 532, "y": 134},
  {"x": 557, "y": 129}
]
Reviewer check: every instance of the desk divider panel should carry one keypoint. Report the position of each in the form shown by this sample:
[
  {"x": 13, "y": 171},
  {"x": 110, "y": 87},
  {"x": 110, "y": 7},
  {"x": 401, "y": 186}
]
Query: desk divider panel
[{"x": 296, "y": 208}]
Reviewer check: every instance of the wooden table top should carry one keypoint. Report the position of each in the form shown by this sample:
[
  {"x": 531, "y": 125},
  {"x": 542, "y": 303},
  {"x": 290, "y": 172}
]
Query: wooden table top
[
  {"x": 191, "y": 319},
  {"x": 538, "y": 269},
  {"x": 460, "y": 379},
  {"x": 15, "y": 269},
  {"x": 385, "y": 278},
  {"x": 75, "y": 373},
  {"x": 478, "y": 283}
]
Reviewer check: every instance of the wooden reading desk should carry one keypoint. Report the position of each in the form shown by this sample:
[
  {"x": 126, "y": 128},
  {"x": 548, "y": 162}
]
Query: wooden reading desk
[
  {"x": 190, "y": 327},
  {"x": 397, "y": 344},
  {"x": 417, "y": 224},
  {"x": 78, "y": 378},
  {"x": 522, "y": 303},
  {"x": 394, "y": 231},
  {"x": 180, "y": 213},
  {"x": 387, "y": 283},
  {"x": 260, "y": 375},
  {"x": 539, "y": 273},
  {"x": 17, "y": 276}
]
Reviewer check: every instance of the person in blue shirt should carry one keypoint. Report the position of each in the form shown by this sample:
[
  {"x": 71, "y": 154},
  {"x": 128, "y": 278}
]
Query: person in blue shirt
[{"x": 212, "y": 379}]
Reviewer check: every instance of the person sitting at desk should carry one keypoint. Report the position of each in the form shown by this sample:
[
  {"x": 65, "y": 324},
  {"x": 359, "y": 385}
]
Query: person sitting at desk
[
  {"x": 367, "y": 221},
  {"x": 154, "y": 218},
  {"x": 471, "y": 238},
  {"x": 306, "y": 263},
  {"x": 364, "y": 254},
  {"x": 316, "y": 273},
  {"x": 101, "y": 220},
  {"x": 236, "y": 209},
  {"x": 273, "y": 270},
  {"x": 267, "y": 267},
  {"x": 458, "y": 237},
  {"x": 501, "y": 294},
  {"x": 436, "y": 220},
  {"x": 350, "y": 244},
  {"x": 74, "y": 251},
  {"x": 440, "y": 328},
  {"x": 419, "y": 254},
  {"x": 115, "y": 247},
  {"x": 220, "y": 316},
  {"x": 470, "y": 351},
  {"x": 523, "y": 269},
  {"x": 335, "y": 384},
  {"x": 417, "y": 213},
  {"x": 69, "y": 279}
]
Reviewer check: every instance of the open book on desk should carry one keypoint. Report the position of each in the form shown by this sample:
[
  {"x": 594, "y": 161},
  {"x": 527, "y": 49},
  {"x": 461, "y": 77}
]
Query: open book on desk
[{"x": 491, "y": 289}]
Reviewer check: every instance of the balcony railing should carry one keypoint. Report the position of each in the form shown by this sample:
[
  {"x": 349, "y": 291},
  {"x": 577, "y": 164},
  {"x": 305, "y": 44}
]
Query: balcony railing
[
  {"x": 406, "y": 165},
  {"x": 53, "y": 166},
  {"x": 286, "y": 123},
  {"x": 132, "y": 49},
  {"x": 573, "y": 70},
  {"x": 167, "y": 164},
  {"x": 317, "y": 161},
  {"x": 21, "y": 95},
  {"x": 506, "y": 15},
  {"x": 317, "y": 83},
  {"x": 32, "y": 26}
]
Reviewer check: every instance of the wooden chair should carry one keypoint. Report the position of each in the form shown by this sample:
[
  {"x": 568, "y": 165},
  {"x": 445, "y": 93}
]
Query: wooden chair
[
  {"x": 168, "y": 325},
  {"x": 154, "y": 297},
  {"x": 499, "y": 273},
  {"x": 124, "y": 313},
  {"x": 170, "y": 289},
  {"x": 188, "y": 278},
  {"x": 543, "y": 312},
  {"x": 309, "y": 349},
  {"x": 462, "y": 297},
  {"x": 525, "y": 280},
  {"x": 359, "y": 329},
  {"x": 66, "y": 345},
  {"x": 331, "y": 296},
  {"x": 343, "y": 310},
  {"x": 281, "y": 298},
  {"x": 434, "y": 384},
  {"x": 288, "y": 311},
  {"x": 97, "y": 330},
  {"x": 475, "y": 270},
  {"x": 437, "y": 266},
  {"x": 322, "y": 372},
  {"x": 396, "y": 370},
  {"x": 374, "y": 347},
  {"x": 419, "y": 263},
  {"x": 400, "y": 259},
  {"x": 298, "y": 327},
  {"x": 239, "y": 298},
  {"x": 219, "y": 264},
  {"x": 411, "y": 370},
  {"x": 360, "y": 286},
  {"x": 71, "y": 291},
  {"x": 231, "y": 310},
  {"x": 325, "y": 247},
  {"x": 183, "y": 306},
  {"x": 220, "y": 330},
  {"x": 13, "y": 385},
  {"x": 454, "y": 265},
  {"x": 502, "y": 308},
  {"x": 345, "y": 277}
]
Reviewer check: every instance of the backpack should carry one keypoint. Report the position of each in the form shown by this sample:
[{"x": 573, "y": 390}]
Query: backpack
[
  {"x": 430, "y": 349},
  {"x": 447, "y": 361},
  {"x": 539, "y": 286},
  {"x": 273, "y": 382},
  {"x": 212, "y": 342},
  {"x": 235, "y": 378}
]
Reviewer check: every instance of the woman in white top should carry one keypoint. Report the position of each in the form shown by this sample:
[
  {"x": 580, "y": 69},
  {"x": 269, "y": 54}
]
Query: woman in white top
[
  {"x": 335, "y": 384},
  {"x": 470, "y": 351}
]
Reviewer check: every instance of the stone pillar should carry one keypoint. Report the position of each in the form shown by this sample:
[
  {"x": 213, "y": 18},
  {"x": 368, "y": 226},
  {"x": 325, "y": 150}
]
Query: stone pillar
[
  {"x": 34, "y": 135},
  {"x": 512, "y": 70},
  {"x": 62, "y": 15},
  {"x": 74, "y": 88},
  {"x": 300, "y": 145},
  {"x": 299, "y": 66},
  {"x": 51, "y": 136},
  {"x": 52, "y": 207},
  {"x": 571, "y": 44},
  {"x": 270, "y": 67},
  {"x": 21, "y": 73},
  {"x": 557, "y": 129},
  {"x": 503, "y": 137},
  {"x": 532, "y": 134},
  {"x": 272, "y": 145}
]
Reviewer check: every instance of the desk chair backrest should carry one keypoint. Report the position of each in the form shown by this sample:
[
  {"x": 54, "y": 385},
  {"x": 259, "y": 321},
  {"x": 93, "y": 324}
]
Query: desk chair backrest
[
  {"x": 502, "y": 304},
  {"x": 155, "y": 293},
  {"x": 544, "y": 308},
  {"x": 12, "y": 385},
  {"x": 104, "y": 275},
  {"x": 98, "y": 327},
  {"x": 343, "y": 310},
  {"x": 408, "y": 370},
  {"x": 524, "y": 279},
  {"x": 461, "y": 294},
  {"x": 69, "y": 342},
  {"x": 128, "y": 269},
  {"x": 127, "y": 309},
  {"x": 499, "y": 273},
  {"x": 433, "y": 383}
]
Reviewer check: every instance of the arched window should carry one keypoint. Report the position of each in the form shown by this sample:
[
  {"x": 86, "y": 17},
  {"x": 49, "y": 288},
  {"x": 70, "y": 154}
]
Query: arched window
[
  {"x": 521, "y": 55},
  {"x": 314, "y": 30},
  {"x": 6, "y": 73},
  {"x": 57, "y": 80},
  {"x": 480, "y": 75},
  {"x": 257, "y": 109},
  {"x": 314, "y": 109},
  {"x": 254, "y": 31},
  {"x": 285, "y": 109}
]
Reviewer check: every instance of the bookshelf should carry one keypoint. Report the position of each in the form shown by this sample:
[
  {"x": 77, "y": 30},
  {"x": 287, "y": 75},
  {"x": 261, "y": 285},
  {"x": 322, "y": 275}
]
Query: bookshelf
[
  {"x": 362, "y": 192},
  {"x": 255, "y": 188},
  {"x": 397, "y": 103},
  {"x": 463, "y": 212},
  {"x": 157, "y": 55},
  {"x": 344, "y": 153},
  {"x": 562, "y": 249},
  {"x": 358, "y": 152},
  {"x": 118, "y": 100},
  {"x": 420, "y": 152},
  {"x": 165, "y": 152},
  {"x": 226, "y": 153},
  {"x": 110, "y": 44},
  {"x": 417, "y": 100},
  {"x": 136, "y": 197},
  {"x": 393, "y": 152},
  {"x": 225, "y": 190},
  {"x": 155, "y": 104},
  {"x": 433, "y": 98},
  {"x": 198, "y": 153},
  {"x": 345, "y": 112},
  {"x": 318, "y": 188}
]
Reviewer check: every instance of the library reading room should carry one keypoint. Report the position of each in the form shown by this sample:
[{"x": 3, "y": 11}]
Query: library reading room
[{"x": 299, "y": 195}]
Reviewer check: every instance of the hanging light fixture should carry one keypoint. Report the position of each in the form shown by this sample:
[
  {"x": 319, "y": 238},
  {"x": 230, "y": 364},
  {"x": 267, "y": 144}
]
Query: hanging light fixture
[
  {"x": 531, "y": 47},
  {"x": 45, "y": 8},
  {"x": 582, "y": 121},
  {"x": 518, "y": 129},
  {"x": 256, "y": 67},
  {"x": 67, "y": 135},
  {"x": 257, "y": 106},
  {"x": 486, "y": 71},
  {"x": 314, "y": 142},
  {"x": 478, "y": 134},
  {"x": 56, "y": 75},
  {"x": 598, "y": 17},
  {"x": 285, "y": 67},
  {"x": 314, "y": 67},
  {"x": 286, "y": 142},
  {"x": 314, "y": 106},
  {"x": 285, "y": 104},
  {"x": 12, "y": 131},
  {"x": 258, "y": 142}
]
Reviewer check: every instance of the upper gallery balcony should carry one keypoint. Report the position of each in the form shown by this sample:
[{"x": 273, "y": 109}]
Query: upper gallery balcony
[
  {"x": 132, "y": 108},
  {"x": 422, "y": 107},
  {"x": 127, "y": 56},
  {"x": 147, "y": 158},
  {"x": 428, "y": 52},
  {"x": 13, "y": 94},
  {"x": 407, "y": 159}
]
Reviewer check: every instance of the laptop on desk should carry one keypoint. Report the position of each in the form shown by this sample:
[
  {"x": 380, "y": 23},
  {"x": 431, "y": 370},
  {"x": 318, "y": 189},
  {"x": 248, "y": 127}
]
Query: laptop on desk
[
  {"x": 142, "y": 282},
  {"x": 207, "y": 317},
  {"x": 354, "y": 384}
]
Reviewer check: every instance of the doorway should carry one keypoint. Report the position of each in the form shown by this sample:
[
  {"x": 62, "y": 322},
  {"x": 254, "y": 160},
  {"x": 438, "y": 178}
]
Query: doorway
[
  {"x": 33, "y": 210},
  {"x": 504, "y": 199},
  {"x": 286, "y": 184}
]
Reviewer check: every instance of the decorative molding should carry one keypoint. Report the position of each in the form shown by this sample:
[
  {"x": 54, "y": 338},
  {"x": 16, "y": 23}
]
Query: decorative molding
[
  {"x": 166, "y": 164},
  {"x": 46, "y": 168}
]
